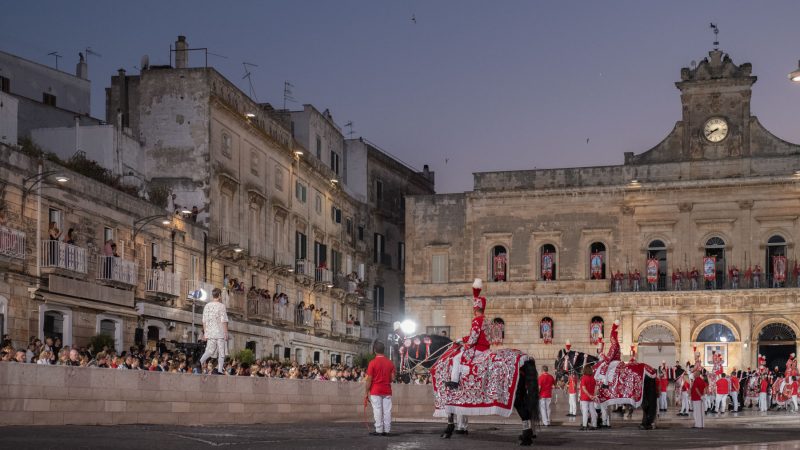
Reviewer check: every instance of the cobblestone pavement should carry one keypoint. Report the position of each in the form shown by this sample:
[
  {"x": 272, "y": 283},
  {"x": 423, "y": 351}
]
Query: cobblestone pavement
[{"x": 405, "y": 436}]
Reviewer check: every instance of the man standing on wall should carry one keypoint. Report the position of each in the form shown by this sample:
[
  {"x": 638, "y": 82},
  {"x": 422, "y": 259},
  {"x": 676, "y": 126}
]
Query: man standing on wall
[
  {"x": 215, "y": 331},
  {"x": 380, "y": 374}
]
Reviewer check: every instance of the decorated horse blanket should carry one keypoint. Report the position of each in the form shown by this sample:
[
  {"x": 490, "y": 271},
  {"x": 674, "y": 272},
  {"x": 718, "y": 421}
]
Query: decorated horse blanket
[
  {"x": 622, "y": 383},
  {"x": 488, "y": 385},
  {"x": 781, "y": 392}
]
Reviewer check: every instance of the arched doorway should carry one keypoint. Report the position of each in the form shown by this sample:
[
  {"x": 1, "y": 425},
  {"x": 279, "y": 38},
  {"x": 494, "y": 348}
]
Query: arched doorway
[
  {"x": 597, "y": 261},
  {"x": 499, "y": 263},
  {"x": 656, "y": 343},
  {"x": 715, "y": 247},
  {"x": 657, "y": 250},
  {"x": 547, "y": 261},
  {"x": 776, "y": 341}
]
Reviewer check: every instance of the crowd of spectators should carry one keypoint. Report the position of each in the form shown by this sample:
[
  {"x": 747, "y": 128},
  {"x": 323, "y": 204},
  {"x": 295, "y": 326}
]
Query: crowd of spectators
[{"x": 164, "y": 359}]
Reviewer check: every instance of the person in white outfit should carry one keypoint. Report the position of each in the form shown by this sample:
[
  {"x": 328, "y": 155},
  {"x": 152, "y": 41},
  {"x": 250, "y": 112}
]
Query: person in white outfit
[{"x": 215, "y": 331}]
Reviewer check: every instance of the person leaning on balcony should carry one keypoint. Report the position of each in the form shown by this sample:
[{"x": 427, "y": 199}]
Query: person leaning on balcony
[{"x": 70, "y": 239}]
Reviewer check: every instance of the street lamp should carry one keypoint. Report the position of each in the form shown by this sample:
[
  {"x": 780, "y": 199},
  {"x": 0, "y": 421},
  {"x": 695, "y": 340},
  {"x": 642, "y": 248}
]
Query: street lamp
[
  {"x": 142, "y": 222},
  {"x": 36, "y": 181},
  {"x": 218, "y": 251},
  {"x": 795, "y": 74}
]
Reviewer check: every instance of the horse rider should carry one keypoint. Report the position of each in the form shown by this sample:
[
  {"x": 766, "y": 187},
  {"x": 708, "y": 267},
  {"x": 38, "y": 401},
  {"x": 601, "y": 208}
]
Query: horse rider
[{"x": 474, "y": 344}]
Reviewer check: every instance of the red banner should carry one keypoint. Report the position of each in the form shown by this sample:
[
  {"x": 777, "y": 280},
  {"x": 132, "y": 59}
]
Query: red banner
[
  {"x": 547, "y": 266},
  {"x": 500, "y": 262},
  {"x": 710, "y": 268},
  {"x": 546, "y": 330},
  {"x": 779, "y": 268},
  {"x": 595, "y": 331},
  {"x": 652, "y": 270},
  {"x": 597, "y": 266}
]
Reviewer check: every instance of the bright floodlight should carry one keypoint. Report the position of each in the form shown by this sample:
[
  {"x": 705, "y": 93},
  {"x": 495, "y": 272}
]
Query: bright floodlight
[
  {"x": 408, "y": 327},
  {"x": 396, "y": 325},
  {"x": 199, "y": 295},
  {"x": 723, "y": 339}
]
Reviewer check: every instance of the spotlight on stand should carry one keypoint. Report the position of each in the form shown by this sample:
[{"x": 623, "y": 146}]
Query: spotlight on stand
[{"x": 409, "y": 327}]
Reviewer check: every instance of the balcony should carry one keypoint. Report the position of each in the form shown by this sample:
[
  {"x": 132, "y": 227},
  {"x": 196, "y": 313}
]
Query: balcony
[
  {"x": 226, "y": 236},
  {"x": 162, "y": 283},
  {"x": 304, "y": 318},
  {"x": 369, "y": 333},
  {"x": 235, "y": 301},
  {"x": 283, "y": 313},
  {"x": 338, "y": 328},
  {"x": 115, "y": 270},
  {"x": 63, "y": 256},
  {"x": 12, "y": 243},
  {"x": 353, "y": 331},
  {"x": 284, "y": 259},
  {"x": 323, "y": 275},
  {"x": 304, "y": 267},
  {"x": 258, "y": 307},
  {"x": 323, "y": 325}
]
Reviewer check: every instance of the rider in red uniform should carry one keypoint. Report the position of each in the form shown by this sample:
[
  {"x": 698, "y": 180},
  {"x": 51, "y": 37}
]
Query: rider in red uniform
[{"x": 476, "y": 342}]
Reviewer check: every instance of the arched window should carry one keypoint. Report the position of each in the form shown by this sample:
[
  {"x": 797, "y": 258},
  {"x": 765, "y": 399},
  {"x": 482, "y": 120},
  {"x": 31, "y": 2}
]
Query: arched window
[
  {"x": 276, "y": 351},
  {"x": 657, "y": 256},
  {"x": 715, "y": 248},
  {"x": 596, "y": 329},
  {"x": 716, "y": 332},
  {"x": 499, "y": 263},
  {"x": 775, "y": 265},
  {"x": 547, "y": 330},
  {"x": 547, "y": 259},
  {"x": 53, "y": 325},
  {"x": 110, "y": 326},
  {"x": 597, "y": 261},
  {"x": 777, "y": 332}
]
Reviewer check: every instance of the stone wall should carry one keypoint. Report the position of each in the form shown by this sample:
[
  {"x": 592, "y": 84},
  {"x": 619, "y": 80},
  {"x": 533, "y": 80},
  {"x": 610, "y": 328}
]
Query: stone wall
[{"x": 54, "y": 395}]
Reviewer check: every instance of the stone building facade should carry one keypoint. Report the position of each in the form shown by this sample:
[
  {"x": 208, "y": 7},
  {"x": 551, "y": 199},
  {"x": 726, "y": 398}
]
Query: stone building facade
[{"x": 718, "y": 186}]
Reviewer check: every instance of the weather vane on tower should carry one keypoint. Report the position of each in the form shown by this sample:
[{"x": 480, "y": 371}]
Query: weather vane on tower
[{"x": 714, "y": 27}]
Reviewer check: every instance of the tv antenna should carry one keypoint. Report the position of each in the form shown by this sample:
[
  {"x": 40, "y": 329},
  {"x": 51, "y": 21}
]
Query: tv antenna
[
  {"x": 350, "y": 131},
  {"x": 287, "y": 93},
  {"x": 247, "y": 75},
  {"x": 714, "y": 27},
  {"x": 56, "y": 56},
  {"x": 89, "y": 51}
]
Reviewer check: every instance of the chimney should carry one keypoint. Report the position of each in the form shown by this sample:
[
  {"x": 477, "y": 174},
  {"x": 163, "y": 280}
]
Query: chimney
[
  {"x": 82, "y": 69},
  {"x": 181, "y": 55},
  {"x": 122, "y": 111}
]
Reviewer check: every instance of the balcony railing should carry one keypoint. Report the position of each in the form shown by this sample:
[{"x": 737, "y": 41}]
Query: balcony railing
[
  {"x": 284, "y": 259},
  {"x": 162, "y": 282},
  {"x": 226, "y": 236},
  {"x": 234, "y": 301},
  {"x": 338, "y": 327},
  {"x": 12, "y": 242},
  {"x": 323, "y": 276},
  {"x": 283, "y": 312},
  {"x": 198, "y": 289},
  {"x": 304, "y": 318},
  {"x": 353, "y": 331},
  {"x": 259, "y": 307},
  {"x": 116, "y": 269},
  {"x": 304, "y": 267},
  {"x": 60, "y": 255},
  {"x": 323, "y": 324},
  {"x": 382, "y": 316}
]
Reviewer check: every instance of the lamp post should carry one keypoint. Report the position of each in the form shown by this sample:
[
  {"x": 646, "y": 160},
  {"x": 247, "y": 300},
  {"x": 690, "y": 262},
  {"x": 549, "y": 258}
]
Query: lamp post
[
  {"x": 36, "y": 181},
  {"x": 142, "y": 222}
]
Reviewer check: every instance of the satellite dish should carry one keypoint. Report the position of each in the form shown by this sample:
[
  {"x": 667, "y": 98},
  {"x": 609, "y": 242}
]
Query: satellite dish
[{"x": 145, "y": 62}]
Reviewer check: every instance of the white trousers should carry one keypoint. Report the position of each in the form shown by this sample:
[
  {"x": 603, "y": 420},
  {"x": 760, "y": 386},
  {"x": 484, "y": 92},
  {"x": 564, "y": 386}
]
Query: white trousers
[
  {"x": 722, "y": 403},
  {"x": 684, "y": 402},
  {"x": 662, "y": 401},
  {"x": 762, "y": 401},
  {"x": 573, "y": 404},
  {"x": 735, "y": 400},
  {"x": 587, "y": 409},
  {"x": 544, "y": 410},
  {"x": 794, "y": 401},
  {"x": 698, "y": 413},
  {"x": 382, "y": 412},
  {"x": 708, "y": 402},
  {"x": 605, "y": 416},
  {"x": 462, "y": 422},
  {"x": 215, "y": 348}
]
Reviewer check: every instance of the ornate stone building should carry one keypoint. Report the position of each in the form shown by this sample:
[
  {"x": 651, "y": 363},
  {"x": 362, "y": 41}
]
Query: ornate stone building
[{"x": 719, "y": 189}]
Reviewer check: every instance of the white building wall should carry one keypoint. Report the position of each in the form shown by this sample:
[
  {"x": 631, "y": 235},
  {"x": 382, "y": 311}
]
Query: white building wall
[
  {"x": 31, "y": 80},
  {"x": 8, "y": 119}
]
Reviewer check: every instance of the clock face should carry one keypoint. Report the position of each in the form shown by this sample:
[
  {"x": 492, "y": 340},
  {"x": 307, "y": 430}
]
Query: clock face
[{"x": 715, "y": 129}]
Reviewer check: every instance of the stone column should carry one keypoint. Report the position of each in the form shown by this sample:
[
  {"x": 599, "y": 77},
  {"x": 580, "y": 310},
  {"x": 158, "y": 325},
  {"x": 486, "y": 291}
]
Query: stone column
[
  {"x": 626, "y": 322},
  {"x": 685, "y": 330}
]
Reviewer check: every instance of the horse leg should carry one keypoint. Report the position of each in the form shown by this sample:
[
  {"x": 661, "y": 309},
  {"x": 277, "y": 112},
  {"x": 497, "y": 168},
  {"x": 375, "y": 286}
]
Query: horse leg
[
  {"x": 527, "y": 401},
  {"x": 448, "y": 432}
]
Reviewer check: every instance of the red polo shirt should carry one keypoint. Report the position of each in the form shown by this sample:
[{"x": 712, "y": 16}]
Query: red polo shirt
[
  {"x": 546, "y": 382},
  {"x": 571, "y": 385},
  {"x": 764, "y": 385},
  {"x": 794, "y": 388},
  {"x": 698, "y": 388},
  {"x": 722, "y": 386},
  {"x": 663, "y": 384},
  {"x": 588, "y": 382},
  {"x": 381, "y": 371}
]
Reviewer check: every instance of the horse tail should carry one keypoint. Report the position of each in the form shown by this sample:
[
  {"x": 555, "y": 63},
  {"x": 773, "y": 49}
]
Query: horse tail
[
  {"x": 527, "y": 402},
  {"x": 649, "y": 402}
]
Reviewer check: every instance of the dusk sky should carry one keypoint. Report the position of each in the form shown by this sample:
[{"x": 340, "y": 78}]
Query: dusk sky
[{"x": 470, "y": 86}]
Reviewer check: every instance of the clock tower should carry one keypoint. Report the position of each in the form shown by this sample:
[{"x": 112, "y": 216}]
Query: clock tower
[{"x": 715, "y": 100}]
